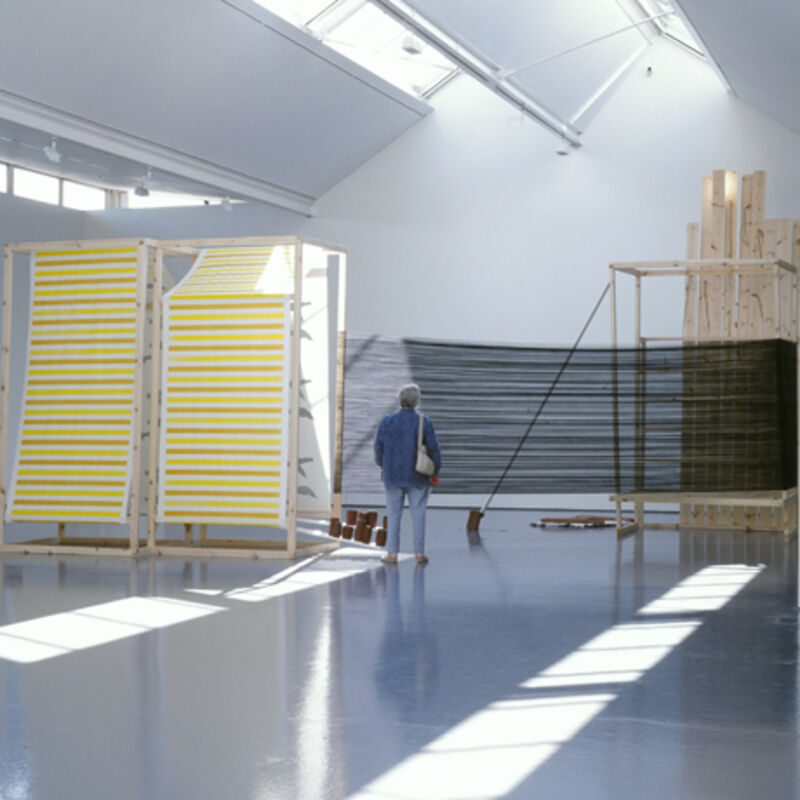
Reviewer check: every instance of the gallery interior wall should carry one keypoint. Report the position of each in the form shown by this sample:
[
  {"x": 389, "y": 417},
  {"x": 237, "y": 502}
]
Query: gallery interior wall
[{"x": 469, "y": 226}]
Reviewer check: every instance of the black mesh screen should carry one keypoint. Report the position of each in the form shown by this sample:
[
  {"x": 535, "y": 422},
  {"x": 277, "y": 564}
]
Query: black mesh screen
[{"x": 710, "y": 418}]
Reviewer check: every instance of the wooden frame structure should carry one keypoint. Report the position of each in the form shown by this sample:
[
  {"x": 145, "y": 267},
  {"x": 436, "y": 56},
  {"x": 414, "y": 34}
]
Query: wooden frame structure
[
  {"x": 733, "y": 275},
  {"x": 62, "y": 543},
  {"x": 304, "y": 271},
  {"x": 310, "y": 263}
]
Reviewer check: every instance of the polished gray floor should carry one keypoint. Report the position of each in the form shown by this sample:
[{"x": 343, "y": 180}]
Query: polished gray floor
[{"x": 520, "y": 663}]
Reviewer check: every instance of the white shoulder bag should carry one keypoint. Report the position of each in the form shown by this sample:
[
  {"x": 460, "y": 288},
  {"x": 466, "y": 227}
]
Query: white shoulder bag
[{"x": 424, "y": 465}]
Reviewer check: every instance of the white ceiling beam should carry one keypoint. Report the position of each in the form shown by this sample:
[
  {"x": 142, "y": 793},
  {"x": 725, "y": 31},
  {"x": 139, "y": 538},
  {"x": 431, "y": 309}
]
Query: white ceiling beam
[{"x": 473, "y": 64}]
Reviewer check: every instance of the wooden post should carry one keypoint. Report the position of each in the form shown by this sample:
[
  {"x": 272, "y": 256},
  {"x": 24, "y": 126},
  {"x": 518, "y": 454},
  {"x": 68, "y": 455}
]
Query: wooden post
[
  {"x": 640, "y": 403},
  {"x": 729, "y": 307},
  {"x": 612, "y": 299},
  {"x": 294, "y": 402},
  {"x": 341, "y": 355},
  {"x": 783, "y": 251},
  {"x": 5, "y": 388},
  {"x": 155, "y": 388},
  {"x": 338, "y": 456},
  {"x": 690, "y": 324},
  {"x": 138, "y": 393},
  {"x": 690, "y": 300}
]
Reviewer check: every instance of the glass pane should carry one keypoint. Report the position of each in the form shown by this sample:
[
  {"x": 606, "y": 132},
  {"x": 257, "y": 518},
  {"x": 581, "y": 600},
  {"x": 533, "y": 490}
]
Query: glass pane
[
  {"x": 382, "y": 45},
  {"x": 670, "y": 23},
  {"x": 298, "y": 12},
  {"x": 35, "y": 186},
  {"x": 164, "y": 200},
  {"x": 3, "y": 178},
  {"x": 83, "y": 198}
]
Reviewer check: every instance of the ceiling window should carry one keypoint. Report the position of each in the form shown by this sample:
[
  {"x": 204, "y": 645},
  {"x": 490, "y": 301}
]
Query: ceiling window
[
  {"x": 670, "y": 23},
  {"x": 3, "y": 178},
  {"x": 370, "y": 37},
  {"x": 154, "y": 199},
  {"x": 36, "y": 186}
]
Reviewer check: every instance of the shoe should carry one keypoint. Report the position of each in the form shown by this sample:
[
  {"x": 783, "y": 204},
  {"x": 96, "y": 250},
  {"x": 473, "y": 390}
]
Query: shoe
[
  {"x": 421, "y": 558},
  {"x": 390, "y": 558}
]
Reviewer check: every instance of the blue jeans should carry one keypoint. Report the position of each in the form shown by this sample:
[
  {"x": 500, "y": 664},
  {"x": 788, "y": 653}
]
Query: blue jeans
[{"x": 417, "y": 501}]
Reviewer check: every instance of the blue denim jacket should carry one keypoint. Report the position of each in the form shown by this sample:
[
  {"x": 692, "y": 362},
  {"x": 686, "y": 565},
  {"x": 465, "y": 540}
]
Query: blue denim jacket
[{"x": 396, "y": 448}]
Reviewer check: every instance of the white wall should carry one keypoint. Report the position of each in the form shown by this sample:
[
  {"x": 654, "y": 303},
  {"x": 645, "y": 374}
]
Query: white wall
[{"x": 469, "y": 226}]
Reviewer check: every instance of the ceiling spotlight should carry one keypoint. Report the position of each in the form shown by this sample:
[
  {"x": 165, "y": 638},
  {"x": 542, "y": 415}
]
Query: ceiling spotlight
[
  {"x": 226, "y": 204},
  {"x": 51, "y": 151},
  {"x": 412, "y": 45},
  {"x": 143, "y": 187},
  {"x": 564, "y": 149}
]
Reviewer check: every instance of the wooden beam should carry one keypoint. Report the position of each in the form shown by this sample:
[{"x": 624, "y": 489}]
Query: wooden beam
[
  {"x": 5, "y": 377},
  {"x": 155, "y": 389},
  {"x": 690, "y": 291}
]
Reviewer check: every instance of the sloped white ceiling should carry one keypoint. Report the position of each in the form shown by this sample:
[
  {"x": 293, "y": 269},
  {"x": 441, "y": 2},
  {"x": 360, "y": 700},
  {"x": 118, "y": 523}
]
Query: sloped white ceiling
[
  {"x": 221, "y": 83},
  {"x": 755, "y": 45}
]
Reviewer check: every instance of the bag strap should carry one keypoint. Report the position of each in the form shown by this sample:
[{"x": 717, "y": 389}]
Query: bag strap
[{"x": 419, "y": 431}]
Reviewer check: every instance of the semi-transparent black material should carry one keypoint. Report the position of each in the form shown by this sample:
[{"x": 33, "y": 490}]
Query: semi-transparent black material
[{"x": 703, "y": 418}]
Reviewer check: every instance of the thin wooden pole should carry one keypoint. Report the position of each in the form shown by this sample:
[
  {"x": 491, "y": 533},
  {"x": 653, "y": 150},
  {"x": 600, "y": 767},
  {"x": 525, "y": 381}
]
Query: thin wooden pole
[
  {"x": 155, "y": 390},
  {"x": 294, "y": 402},
  {"x": 612, "y": 283},
  {"x": 341, "y": 354},
  {"x": 5, "y": 376},
  {"x": 138, "y": 394},
  {"x": 640, "y": 406}
]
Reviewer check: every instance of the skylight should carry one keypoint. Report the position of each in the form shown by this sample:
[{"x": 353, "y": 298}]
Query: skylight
[
  {"x": 670, "y": 23},
  {"x": 370, "y": 37}
]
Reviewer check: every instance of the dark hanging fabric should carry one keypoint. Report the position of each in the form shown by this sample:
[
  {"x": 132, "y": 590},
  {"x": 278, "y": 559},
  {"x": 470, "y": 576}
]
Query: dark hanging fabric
[{"x": 704, "y": 418}]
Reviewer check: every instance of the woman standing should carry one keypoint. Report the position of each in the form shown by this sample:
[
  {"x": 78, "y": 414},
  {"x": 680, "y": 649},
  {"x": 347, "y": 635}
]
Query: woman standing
[{"x": 396, "y": 454}]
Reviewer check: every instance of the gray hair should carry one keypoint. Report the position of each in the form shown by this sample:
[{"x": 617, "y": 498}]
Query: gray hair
[{"x": 409, "y": 395}]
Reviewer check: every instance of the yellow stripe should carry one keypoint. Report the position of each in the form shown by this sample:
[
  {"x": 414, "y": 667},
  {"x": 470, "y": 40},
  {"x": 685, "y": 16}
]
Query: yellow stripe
[
  {"x": 259, "y": 337},
  {"x": 184, "y": 440},
  {"x": 117, "y": 436},
  {"x": 198, "y": 506},
  {"x": 124, "y": 312},
  {"x": 248, "y": 315},
  {"x": 79, "y": 453},
  {"x": 217, "y": 306},
  {"x": 219, "y": 514},
  {"x": 88, "y": 371},
  {"x": 72, "y": 292},
  {"x": 84, "y": 252},
  {"x": 85, "y": 261},
  {"x": 223, "y": 462},
  {"x": 70, "y": 493},
  {"x": 227, "y": 296},
  {"x": 221, "y": 482},
  {"x": 58, "y": 513},
  {"x": 92, "y": 351},
  {"x": 87, "y": 472},
  {"x": 97, "y": 271},
  {"x": 69, "y": 392},
  {"x": 205, "y": 358},
  {"x": 186, "y": 418},
  {"x": 100, "y": 333},
  {"x": 200, "y": 378}
]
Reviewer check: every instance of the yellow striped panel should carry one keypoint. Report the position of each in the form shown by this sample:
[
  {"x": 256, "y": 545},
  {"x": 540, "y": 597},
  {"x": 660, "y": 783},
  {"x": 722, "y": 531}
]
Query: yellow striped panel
[
  {"x": 223, "y": 445},
  {"x": 74, "y": 453}
]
